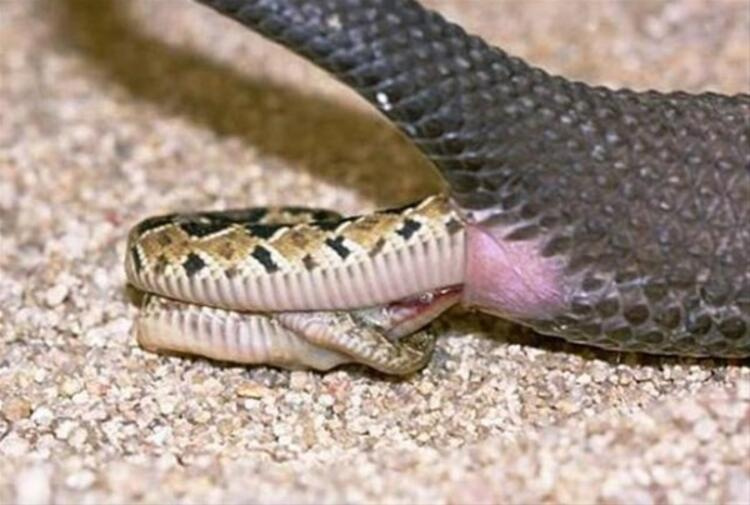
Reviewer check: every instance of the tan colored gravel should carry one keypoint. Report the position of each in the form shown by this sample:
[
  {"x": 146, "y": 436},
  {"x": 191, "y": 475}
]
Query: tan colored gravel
[{"x": 111, "y": 111}]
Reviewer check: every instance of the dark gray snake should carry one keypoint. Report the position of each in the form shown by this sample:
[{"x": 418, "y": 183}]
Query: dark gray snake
[{"x": 611, "y": 218}]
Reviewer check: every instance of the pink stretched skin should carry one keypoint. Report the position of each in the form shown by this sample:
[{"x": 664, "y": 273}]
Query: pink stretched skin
[{"x": 509, "y": 278}]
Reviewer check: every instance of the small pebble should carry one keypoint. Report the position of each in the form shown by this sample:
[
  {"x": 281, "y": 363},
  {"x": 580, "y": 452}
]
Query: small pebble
[
  {"x": 65, "y": 428},
  {"x": 78, "y": 437},
  {"x": 202, "y": 417},
  {"x": 298, "y": 380},
  {"x": 70, "y": 387},
  {"x": 56, "y": 295},
  {"x": 42, "y": 416},
  {"x": 252, "y": 390},
  {"x": 15, "y": 409},
  {"x": 326, "y": 400},
  {"x": 13, "y": 445}
]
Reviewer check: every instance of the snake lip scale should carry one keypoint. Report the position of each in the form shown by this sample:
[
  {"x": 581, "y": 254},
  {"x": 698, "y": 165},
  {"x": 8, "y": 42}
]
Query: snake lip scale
[{"x": 611, "y": 218}]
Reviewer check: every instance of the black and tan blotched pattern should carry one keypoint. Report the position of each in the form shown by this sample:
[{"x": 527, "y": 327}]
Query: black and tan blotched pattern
[
  {"x": 645, "y": 197},
  {"x": 260, "y": 241}
]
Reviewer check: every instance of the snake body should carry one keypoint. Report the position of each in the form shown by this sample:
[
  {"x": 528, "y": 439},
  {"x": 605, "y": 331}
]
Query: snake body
[
  {"x": 263, "y": 285},
  {"x": 611, "y": 218},
  {"x": 260, "y": 259}
]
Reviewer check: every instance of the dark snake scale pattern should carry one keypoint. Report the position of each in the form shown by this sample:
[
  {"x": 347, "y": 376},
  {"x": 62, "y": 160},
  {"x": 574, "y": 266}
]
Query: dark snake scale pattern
[{"x": 644, "y": 197}]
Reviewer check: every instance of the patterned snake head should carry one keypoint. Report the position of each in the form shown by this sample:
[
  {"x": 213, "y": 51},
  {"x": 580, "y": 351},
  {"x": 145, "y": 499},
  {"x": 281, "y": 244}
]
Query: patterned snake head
[{"x": 613, "y": 218}]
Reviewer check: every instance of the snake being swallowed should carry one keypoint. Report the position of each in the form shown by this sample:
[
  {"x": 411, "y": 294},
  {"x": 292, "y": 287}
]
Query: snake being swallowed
[{"x": 612, "y": 218}]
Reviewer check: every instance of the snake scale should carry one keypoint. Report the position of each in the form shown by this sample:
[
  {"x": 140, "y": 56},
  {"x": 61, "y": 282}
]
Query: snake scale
[{"x": 612, "y": 218}]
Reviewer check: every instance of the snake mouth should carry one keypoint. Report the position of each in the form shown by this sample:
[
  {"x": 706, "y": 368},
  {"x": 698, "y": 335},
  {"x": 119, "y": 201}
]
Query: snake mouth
[{"x": 409, "y": 315}]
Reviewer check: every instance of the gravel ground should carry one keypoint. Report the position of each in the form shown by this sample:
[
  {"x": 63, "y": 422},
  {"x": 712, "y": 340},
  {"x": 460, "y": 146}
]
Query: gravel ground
[{"x": 111, "y": 111}]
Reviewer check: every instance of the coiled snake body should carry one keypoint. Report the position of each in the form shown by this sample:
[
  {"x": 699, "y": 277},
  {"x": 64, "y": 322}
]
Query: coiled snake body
[
  {"x": 249, "y": 278},
  {"x": 611, "y": 218}
]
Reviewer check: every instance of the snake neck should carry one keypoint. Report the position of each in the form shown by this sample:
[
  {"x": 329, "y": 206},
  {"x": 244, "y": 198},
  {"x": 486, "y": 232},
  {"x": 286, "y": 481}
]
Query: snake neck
[
  {"x": 427, "y": 75},
  {"x": 490, "y": 122}
]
